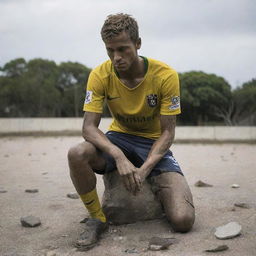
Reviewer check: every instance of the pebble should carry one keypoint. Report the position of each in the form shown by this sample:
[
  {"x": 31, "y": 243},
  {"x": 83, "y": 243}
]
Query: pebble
[
  {"x": 219, "y": 248},
  {"x": 230, "y": 230},
  {"x": 235, "y": 186},
  {"x": 233, "y": 209},
  {"x": 84, "y": 220},
  {"x": 31, "y": 190},
  {"x": 242, "y": 205},
  {"x": 202, "y": 184},
  {"x": 73, "y": 195},
  {"x": 131, "y": 251},
  {"x": 158, "y": 243},
  {"x": 30, "y": 221},
  {"x": 119, "y": 238}
]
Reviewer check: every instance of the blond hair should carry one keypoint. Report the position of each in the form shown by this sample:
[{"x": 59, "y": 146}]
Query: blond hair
[{"x": 117, "y": 23}]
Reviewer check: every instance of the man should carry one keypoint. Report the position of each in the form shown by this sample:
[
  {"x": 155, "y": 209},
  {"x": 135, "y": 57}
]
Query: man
[{"x": 143, "y": 97}]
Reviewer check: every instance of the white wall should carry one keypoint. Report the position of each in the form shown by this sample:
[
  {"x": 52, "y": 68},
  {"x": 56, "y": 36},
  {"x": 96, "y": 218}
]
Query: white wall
[{"x": 16, "y": 126}]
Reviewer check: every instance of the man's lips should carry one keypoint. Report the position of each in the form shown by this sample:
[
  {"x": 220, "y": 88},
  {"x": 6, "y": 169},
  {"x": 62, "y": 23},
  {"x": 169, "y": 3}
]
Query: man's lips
[{"x": 119, "y": 64}]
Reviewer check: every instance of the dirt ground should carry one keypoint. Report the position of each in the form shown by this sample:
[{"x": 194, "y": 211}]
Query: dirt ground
[{"x": 40, "y": 162}]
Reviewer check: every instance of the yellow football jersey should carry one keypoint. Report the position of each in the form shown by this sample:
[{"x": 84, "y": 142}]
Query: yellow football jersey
[{"x": 135, "y": 110}]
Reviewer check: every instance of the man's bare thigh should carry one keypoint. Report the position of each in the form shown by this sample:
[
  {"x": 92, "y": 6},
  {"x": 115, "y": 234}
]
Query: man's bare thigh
[{"x": 173, "y": 189}]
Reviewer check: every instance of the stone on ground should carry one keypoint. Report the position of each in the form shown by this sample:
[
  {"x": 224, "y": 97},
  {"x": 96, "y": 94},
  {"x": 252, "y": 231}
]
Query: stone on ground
[
  {"x": 235, "y": 186},
  {"x": 219, "y": 248},
  {"x": 159, "y": 243},
  {"x": 242, "y": 205},
  {"x": 30, "y": 221},
  {"x": 202, "y": 184},
  {"x": 31, "y": 190},
  {"x": 132, "y": 251},
  {"x": 73, "y": 195},
  {"x": 230, "y": 230},
  {"x": 121, "y": 207}
]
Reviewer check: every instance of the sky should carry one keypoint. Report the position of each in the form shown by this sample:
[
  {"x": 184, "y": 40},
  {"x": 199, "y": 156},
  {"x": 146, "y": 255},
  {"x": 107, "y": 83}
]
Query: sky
[{"x": 213, "y": 36}]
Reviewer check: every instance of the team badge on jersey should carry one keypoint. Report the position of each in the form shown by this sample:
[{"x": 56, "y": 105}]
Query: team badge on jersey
[
  {"x": 175, "y": 100},
  {"x": 88, "y": 97},
  {"x": 152, "y": 100}
]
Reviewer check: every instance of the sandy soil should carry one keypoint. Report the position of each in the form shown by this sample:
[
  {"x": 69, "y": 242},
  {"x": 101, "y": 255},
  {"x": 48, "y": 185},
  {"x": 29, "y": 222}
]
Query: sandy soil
[{"x": 40, "y": 162}]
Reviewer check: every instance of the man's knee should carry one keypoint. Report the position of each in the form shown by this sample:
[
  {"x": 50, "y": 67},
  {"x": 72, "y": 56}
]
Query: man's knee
[
  {"x": 75, "y": 154},
  {"x": 80, "y": 153},
  {"x": 181, "y": 222}
]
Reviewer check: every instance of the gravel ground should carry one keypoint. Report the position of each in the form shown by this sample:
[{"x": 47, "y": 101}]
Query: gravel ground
[{"x": 40, "y": 163}]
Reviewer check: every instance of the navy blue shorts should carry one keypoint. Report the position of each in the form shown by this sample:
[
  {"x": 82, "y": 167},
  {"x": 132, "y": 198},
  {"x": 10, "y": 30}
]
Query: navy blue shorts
[{"x": 136, "y": 149}]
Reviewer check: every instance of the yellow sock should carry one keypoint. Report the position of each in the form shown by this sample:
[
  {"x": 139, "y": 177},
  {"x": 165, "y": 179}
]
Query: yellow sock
[{"x": 92, "y": 204}]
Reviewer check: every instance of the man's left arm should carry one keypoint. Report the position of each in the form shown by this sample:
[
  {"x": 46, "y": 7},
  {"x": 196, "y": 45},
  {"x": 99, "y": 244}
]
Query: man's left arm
[{"x": 161, "y": 145}]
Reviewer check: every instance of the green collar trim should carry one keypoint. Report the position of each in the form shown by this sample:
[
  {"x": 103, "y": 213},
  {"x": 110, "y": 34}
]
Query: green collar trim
[{"x": 145, "y": 64}]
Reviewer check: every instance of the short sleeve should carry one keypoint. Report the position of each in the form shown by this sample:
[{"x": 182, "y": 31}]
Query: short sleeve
[
  {"x": 170, "y": 95},
  {"x": 95, "y": 94}
]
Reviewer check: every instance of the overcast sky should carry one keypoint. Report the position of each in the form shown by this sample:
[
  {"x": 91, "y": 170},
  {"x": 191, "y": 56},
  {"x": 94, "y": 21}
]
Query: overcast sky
[{"x": 214, "y": 36}]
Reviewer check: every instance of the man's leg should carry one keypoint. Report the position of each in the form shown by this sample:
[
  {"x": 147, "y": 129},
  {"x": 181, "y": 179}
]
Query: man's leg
[
  {"x": 82, "y": 158},
  {"x": 176, "y": 198}
]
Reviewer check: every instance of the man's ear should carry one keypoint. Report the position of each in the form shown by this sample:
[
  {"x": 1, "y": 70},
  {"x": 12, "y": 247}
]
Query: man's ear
[{"x": 138, "y": 43}]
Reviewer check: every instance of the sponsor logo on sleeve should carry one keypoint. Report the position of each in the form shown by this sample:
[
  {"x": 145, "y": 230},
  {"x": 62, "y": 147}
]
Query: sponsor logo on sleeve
[
  {"x": 175, "y": 103},
  {"x": 88, "y": 97}
]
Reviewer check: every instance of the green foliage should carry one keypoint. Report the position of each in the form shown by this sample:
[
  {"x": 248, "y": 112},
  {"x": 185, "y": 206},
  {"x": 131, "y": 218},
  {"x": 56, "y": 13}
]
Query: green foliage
[
  {"x": 40, "y": 88},
  {"x": 15, "y": 68},
  {"x": 245, "y": 104},
  {"x": 72, "y": 83},
  {"x": 201, "y": 96}
]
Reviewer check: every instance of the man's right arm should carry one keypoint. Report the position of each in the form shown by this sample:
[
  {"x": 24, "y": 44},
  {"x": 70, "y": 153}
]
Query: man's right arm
[{"x": 94, "y": 135}]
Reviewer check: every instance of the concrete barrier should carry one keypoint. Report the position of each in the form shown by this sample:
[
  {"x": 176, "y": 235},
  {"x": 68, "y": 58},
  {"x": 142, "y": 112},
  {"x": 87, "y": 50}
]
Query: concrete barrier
[
  {"x": 73, "y": 126},
  {"x": 216, "y": 133}
]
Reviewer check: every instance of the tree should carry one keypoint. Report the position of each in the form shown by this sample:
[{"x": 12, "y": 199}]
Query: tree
[
  {"x": 40, "y": 88},
  {"x": 11, "y": 86},
  {"x": 72, "y": 84},
  {"x": 202, "y": 97},
  {"x": 40, "y": 85},
  {"x": 15, "y": 68},
  {"x": 244, "y": 112}
]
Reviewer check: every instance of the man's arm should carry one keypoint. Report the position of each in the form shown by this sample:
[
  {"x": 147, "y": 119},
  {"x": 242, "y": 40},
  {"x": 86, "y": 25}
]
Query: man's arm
[
  {"x": 94, "y": 135},
  {"x": 161, "y": 145}
]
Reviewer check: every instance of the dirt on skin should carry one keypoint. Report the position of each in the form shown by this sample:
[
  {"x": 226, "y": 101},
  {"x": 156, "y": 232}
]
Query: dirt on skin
[{"x": 41, "y": 163}]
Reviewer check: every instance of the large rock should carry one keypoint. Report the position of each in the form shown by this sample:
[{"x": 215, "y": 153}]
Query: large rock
[{"x": 121, "y": 207}]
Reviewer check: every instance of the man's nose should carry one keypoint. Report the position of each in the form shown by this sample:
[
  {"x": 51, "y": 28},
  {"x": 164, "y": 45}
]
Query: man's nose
[{"x": 117, "y": 57}]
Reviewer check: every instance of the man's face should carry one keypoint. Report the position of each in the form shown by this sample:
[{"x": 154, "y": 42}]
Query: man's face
[{"x": 122, "y": 51}]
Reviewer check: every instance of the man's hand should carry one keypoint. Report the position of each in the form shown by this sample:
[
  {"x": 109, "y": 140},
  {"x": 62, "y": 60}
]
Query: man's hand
[
  {"x": 143, "y": 173},
  {"x": 129, "y": 174}
]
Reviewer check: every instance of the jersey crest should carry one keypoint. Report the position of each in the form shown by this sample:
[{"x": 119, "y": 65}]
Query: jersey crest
[{"x": 152, "y": 100}]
